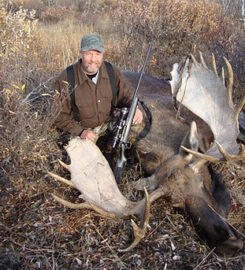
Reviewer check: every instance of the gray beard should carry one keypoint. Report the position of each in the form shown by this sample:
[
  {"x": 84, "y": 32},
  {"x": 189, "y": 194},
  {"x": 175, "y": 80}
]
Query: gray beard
[{"x": 92, "y": 71}]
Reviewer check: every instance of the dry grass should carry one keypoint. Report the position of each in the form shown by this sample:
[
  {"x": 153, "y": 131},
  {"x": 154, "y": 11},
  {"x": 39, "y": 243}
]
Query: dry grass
[
  {"x": 61, "y": 43},
  {"x": 35, "y": 231},
  {"x": 40, "y": 232}
]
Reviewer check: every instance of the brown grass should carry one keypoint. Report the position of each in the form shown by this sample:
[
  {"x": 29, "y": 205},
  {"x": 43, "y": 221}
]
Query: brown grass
[{"x": 35, "y": 231}]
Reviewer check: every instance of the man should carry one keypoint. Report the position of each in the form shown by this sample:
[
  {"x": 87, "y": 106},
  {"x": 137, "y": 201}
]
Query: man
[{"x": 93, "y": 92}]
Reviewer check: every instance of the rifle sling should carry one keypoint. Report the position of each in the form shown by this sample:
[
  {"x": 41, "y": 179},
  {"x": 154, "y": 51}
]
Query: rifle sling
[
  {"x": 111, "y": 74},
  {"x": 71, "y": 81},
  {"x": 148, "y": 123},
  {"x": 143, "y": 133}
]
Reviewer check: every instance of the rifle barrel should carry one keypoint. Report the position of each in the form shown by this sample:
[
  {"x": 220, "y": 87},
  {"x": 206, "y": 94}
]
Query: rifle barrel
[{"x": 143, "y": 68}]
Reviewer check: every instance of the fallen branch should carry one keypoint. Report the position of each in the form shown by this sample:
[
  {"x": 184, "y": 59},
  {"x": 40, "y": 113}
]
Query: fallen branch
[{"x": 37, "y": 90}]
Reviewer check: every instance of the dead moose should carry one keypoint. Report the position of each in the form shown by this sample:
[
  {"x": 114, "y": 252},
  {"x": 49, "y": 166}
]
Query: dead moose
[{"x": 175, "y": 154}]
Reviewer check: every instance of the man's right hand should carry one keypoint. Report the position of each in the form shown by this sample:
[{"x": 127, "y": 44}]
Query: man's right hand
[{"x": 88, "y": 134}]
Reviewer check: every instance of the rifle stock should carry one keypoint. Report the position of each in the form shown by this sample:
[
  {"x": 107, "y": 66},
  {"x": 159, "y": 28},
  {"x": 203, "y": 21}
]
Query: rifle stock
[{"x": 119, "y": 168}]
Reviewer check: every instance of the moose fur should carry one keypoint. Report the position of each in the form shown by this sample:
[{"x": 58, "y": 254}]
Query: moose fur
[
  {"x": 176, "y": 152},
  {"x": 200, "y": 193}
]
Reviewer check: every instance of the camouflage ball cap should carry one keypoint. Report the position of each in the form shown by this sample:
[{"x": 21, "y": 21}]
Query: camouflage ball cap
[{"x": 92, "y": 42}]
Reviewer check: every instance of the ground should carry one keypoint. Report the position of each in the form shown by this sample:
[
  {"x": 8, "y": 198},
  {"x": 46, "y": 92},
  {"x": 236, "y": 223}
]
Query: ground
[{"x": 36, "y": 232}]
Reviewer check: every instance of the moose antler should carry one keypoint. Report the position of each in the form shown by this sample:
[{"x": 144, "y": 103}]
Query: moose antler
[
  {"x": 203, "y": 92},
  {"x": 92, "y": 176}
]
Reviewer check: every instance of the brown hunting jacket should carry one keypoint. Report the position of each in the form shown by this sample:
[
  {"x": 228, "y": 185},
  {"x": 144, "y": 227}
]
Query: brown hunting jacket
[{"x": 93, "y": 100}]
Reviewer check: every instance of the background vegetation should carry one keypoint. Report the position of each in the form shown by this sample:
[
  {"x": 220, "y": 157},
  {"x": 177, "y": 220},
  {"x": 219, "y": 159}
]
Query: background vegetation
[{"x": 40, "y": 38}]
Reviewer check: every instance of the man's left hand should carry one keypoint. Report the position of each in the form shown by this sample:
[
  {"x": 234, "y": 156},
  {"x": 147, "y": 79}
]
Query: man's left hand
[{"x": 138, "y": 117}]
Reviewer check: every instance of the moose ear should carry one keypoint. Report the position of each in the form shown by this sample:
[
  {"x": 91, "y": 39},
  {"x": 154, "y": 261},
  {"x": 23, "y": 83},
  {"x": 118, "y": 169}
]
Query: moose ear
[{"x": 190, "y": 141}]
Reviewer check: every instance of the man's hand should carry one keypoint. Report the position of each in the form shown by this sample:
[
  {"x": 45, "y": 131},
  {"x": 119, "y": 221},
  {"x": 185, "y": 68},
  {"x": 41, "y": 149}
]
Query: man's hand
[
  {"x": 138, "y": 117},
  {"x": 88, "y": 134}
]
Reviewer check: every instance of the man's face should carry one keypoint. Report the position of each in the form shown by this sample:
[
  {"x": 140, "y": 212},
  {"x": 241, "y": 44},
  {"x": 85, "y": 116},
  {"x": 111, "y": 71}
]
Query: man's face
[{"x": 91, "y": 61}]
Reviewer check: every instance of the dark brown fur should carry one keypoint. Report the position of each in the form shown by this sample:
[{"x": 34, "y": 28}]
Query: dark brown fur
[
  {"x": 201, "y": 194},
  {"x": 167, "y": 129}
]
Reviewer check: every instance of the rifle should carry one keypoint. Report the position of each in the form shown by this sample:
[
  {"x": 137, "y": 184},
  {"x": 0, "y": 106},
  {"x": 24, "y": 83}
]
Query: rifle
[{"x": 124, "y": 125}]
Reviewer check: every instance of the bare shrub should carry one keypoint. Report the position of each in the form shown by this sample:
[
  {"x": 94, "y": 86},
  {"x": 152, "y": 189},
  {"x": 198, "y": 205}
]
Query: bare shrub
[
  {"x": 32, "y": 5},
  {"x": 54, "y": 14},
  {"x": 177, "y": 27},
  {"x": 19, "y": 49},
  {"x": 23, "y": 129}
]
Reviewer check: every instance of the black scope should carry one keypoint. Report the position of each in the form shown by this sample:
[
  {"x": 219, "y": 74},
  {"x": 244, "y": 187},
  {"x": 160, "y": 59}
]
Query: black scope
[{"x": 120, "y": 125}]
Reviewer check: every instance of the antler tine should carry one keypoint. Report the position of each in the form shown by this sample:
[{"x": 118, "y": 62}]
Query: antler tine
[
  {"x": 223, "y": 75},
  {"x": 139, "y": 233},
  {"x": 214, "y": 64},
  {"x": 200, "y": 155},
  {"x": 64, "y": 165},
  {"x": 202, "y": 60},
  {"x": 230, "y": 83},
  {"x": 214, "y": 159},
  {"x": 239, "y": 107},
  {"x": 84, "y": 205},
  {"x": 57, "y": 177},
  {"x": 197, "y": 165},
  {"x": 193, "y": 59},
  {"x": 228, "y": 156}
]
